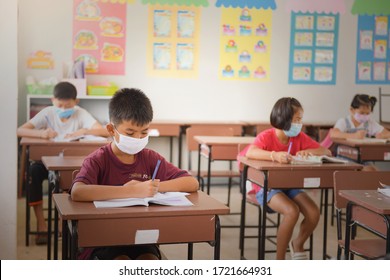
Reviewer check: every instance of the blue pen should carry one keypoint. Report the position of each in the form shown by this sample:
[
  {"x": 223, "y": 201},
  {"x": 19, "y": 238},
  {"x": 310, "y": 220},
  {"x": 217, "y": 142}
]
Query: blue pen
[
  {"x": 289, "y": 148},
  {"x": 156, "y": 169}
]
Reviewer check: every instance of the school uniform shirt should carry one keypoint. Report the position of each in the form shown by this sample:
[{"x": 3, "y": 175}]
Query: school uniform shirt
[
  {"x": 48, "y": 118},
  {"x": 102, "y": 167},
  {"x": 347, "y": 125},
  {"x": 268, "y": 141}
]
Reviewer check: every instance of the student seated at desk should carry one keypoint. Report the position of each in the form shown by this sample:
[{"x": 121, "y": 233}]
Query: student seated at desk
[
  {"x": 124, "y": 169},
  {"x": 279, "y": 144},
  {"x": 359, "y": 123},
  {"x": 63, "y": 118}
]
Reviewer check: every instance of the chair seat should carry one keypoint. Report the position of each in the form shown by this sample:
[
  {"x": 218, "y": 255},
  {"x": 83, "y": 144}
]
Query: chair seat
[
  {"x": 220, "y": 174},
  {"x": 369, "y": 248}
]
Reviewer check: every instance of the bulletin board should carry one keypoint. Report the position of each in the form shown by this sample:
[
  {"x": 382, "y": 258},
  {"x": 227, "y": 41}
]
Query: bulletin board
[
  {"x": 313, "y": 48},
  {"x": 173, "y": 41},
  {"x": 245, "y": 44},
  {"x": 373, "y": 50},
  {"x": 99, "y": 36}
]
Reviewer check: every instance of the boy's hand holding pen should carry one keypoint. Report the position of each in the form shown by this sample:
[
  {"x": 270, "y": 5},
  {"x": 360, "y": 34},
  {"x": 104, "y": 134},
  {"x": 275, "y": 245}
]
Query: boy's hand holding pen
[{"x": 49, "y": 132}]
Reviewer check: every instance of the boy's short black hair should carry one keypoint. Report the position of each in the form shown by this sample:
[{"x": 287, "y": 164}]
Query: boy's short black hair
[
  {"x": 363, "y": 100},
  {"x": 130, "y": 104},
  {"x": 65, "y": 90},
  {"x": 283, "y": 112}
]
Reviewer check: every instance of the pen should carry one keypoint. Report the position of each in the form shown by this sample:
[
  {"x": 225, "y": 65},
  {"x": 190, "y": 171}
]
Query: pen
[
  {"x": 156, "y": 169},
  {"x": 289, "y": 148}
]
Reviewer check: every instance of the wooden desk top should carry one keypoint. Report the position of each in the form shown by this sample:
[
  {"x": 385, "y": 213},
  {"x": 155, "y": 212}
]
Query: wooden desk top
[
  {"x": 370, "y": 199},
  {"x": 356, "y": 144},
  {"x": 60, "y": 163},
  {"x": 224, "y": 140},
  {"x": 203, "y": 205},
  {"x": 269, "y": 165}
]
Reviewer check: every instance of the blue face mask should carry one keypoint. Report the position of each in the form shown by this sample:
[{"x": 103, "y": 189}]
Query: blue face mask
[
  {"x": 294, "y": 130},
  {"x": 64, "y": 113}
]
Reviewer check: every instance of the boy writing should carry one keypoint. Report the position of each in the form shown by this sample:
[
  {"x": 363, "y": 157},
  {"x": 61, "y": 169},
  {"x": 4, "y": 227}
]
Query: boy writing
[
  {"x": 63, "y": 118},
  {"x": 124, "y": 168}
]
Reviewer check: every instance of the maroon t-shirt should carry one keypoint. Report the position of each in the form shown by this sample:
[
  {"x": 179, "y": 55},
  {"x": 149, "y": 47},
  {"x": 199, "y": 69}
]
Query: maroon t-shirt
[{"x": 102, "y": 167}]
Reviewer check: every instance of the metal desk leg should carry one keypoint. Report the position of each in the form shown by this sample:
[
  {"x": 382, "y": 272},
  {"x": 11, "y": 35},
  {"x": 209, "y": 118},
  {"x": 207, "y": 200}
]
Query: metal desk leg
[
  {"x": 65, "y": 236},
  {"x": 217, "y": 245},
  {"x": 244, "y": 175},
  {"x": 190, "y": 254},
  {"x": 324, "y": 254}
]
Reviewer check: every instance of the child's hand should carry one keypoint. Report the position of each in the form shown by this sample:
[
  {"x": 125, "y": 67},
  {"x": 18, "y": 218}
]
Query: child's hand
[
  {"x": 48, "y": 133},
  {"x": 304, "y": 154},
  {"x": 143, "y": 189},
  {"x": 360, "y": 134},
  {"x": 282, "y": 157}
]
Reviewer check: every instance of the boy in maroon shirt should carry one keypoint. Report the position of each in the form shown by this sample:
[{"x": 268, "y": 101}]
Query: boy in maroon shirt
[{"x": 124, "y": 168}]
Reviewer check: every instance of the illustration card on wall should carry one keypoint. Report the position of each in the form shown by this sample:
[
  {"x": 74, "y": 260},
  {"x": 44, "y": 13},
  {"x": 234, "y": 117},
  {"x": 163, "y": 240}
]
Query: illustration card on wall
[
  {"x": 173, "y": 41},
  {"x": 373, "y": 50},
  {"x": 245, "y": 44},
  {"x": 99, "y": 36},
  {"x": 313, "y": 48}
]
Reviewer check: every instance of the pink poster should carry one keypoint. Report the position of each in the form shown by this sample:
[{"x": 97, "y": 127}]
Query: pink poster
[{"x": 99, "y": 36}]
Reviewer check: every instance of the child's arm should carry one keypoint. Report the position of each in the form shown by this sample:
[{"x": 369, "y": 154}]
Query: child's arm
[
  {"x": 96, "y": 129},
  {"x": 384, "y": 134},
  {"x": 337, "y": 133},
  {"x": 28, "y": 130},
  {"x": 82, "y": 192},
  {"x": 181, "y": 184},
  {"x": 255, "y": 152}
]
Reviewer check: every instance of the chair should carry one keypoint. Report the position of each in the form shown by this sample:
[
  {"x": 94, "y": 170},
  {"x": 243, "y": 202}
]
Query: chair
[
  {"x": 358, "y": 180},
  {"x": 193, "y": 147}
]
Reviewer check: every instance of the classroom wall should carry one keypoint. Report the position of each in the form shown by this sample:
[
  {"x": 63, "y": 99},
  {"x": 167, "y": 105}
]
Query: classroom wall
[
  {"x": 49, "y": 27},
  {"x": 8, "y": 115}
]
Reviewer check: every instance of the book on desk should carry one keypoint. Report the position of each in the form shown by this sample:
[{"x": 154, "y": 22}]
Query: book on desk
[
  {"x": 370, "y": 140},
  {"x": 168, "y": 199},
  {"x": 316, "y": 159},
  {"x": 81, "y": 138}
]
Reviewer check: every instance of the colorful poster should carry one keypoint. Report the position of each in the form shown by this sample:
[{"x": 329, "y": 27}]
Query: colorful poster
[
  {"x": 173, "y": 41},
  {"x": 245, "y": 44},
  {"x": 99, "y": 36},
  {"x": 373, "y": 50},
  {"x": 313, "y": 48}
]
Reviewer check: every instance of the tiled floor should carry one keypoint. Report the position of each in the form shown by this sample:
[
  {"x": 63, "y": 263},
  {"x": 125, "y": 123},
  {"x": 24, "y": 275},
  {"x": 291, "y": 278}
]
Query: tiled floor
[{"x": 230, "y": 236}]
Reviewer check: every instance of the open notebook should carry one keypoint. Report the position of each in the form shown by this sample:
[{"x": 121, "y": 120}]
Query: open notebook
[
  {"x": 168, "y": 198},
  {"x": 316, "y": 159},
  {"x": 385, "y": 189},
  {"x": 62, "y": 138}
]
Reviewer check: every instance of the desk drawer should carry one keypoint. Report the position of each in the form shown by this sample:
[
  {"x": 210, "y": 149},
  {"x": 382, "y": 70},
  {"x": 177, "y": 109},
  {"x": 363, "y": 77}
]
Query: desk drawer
[{"x": 174, "y": 229}]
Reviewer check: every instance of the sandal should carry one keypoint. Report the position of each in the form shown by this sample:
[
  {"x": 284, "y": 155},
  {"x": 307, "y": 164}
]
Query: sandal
[{"x": 296, "y": 255}]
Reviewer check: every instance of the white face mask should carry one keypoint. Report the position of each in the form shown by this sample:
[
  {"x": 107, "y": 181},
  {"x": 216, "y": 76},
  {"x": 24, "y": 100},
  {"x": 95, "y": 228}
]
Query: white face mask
[{"x": 131, "y": 145}]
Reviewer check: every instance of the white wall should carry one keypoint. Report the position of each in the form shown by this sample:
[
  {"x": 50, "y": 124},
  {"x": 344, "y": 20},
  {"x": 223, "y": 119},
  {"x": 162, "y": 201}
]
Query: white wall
[
  {"x": 8, "y": 117},
  {"x": 187, "y": 98}
]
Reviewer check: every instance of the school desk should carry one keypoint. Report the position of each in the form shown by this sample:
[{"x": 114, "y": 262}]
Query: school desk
[
  {"x": 169, "y": 129},
  {"x": 361, "y": 152},
  {"x": 223, "y": 148},
  {"x": 376, "y": 219},
  {"x": 60, "y": 176},
  {"x": 286, "y": 176},
  {"x": 84, "y": 225},
  {"x": 34, "y": 148}
]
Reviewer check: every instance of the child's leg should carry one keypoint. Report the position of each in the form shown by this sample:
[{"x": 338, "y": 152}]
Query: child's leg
[
  {"x": 38, "y": 174},
  {"x": 290, "y": 212},
  {"x": 311, "y": 215}
]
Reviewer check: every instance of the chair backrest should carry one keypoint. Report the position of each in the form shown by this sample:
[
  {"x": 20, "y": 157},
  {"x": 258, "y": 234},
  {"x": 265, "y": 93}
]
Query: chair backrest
[
  {"x": 357, "y": 180},
  {"x": 192, "y": 145},
  {"x": 78, "y": 151}
]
